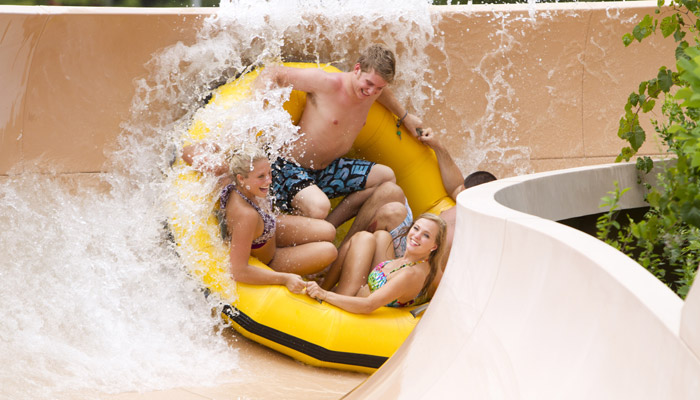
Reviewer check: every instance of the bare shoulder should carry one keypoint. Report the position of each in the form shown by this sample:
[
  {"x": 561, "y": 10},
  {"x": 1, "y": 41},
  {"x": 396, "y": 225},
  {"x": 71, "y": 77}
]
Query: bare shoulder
[
  {"x": 404, "y": 284},
  {"x": 407, "y": 277},
  {"x": 412, "y": 279},
  {"x": 412, "y": 274},
  {"x": 240, "y": 212}
]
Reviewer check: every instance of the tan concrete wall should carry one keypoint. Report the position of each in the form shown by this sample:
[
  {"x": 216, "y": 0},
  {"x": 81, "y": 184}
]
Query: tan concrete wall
[
  {"x": 547, "y": 85},
  {"x": 67, "y": 79},
  {"x": 568, "y": 71}
]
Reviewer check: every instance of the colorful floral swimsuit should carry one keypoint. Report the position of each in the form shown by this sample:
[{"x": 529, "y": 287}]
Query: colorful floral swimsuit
[
  {"x": 377, "y": 279},
  {"x": 269, "y": 222}
]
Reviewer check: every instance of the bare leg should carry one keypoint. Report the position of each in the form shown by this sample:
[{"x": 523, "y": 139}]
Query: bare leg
[
  {"x": 366, "y": 219},
  {"x": 388, "y": 217},
  {"x": 295, "y": 230},
  {"x": 333, "y": 274},
  {"x": 385, "y": 209},
  {"x": 351, "y": 204},
  {"x": 311, "y": 202},
  {"x": 358, "y": 251},
  {"x": 385, "y": 247},
  {"x": 357, "y": 263},
  {"x": 304, "y": 259}
]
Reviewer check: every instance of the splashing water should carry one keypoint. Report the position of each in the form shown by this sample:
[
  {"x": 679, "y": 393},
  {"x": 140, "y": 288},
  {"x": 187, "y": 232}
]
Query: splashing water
[{"x": 94, "y": 296}]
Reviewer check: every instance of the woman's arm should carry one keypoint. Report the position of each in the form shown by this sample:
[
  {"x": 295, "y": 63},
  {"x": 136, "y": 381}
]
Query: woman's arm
[
  {"x": 205, "y": 157},
  {"x": 392, "y": 290},
  {"x": 242, "y": 222}
]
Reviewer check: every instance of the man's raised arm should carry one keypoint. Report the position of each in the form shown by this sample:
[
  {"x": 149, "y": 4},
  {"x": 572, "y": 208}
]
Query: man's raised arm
[
  {"x": 452, "y": 177},
  {"x": 410, "y": 121},
  {"x": 205, "y": 157},
  {"x": 310, "y": 80}
]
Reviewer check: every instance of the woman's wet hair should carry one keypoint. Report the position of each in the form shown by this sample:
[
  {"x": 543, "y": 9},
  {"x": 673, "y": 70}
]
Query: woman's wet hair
[
  {"x": 435, "y": 257},
  {"x": 242, "y": 157},
  {"x": 379, "y": 58}
]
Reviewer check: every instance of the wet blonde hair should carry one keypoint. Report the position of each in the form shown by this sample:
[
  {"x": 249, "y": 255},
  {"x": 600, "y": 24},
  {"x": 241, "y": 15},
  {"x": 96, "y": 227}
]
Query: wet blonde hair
[
  {"x": 379, "y": 58},
  {"x": 241, "y": 159}
]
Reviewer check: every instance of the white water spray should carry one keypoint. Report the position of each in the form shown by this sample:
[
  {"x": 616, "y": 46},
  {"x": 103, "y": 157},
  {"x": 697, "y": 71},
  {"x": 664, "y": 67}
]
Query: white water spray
[
  {"x": 94, "y": 296},
  {"x": 95, "y": 299}
]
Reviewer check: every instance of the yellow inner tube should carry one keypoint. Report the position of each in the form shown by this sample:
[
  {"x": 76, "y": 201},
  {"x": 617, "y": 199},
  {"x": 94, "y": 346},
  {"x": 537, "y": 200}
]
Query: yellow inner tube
[{"x": 296, "y": 325}]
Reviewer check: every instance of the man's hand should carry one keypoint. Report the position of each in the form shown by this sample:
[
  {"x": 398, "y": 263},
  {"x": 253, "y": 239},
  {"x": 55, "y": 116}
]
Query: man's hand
[
  {"x": 429, "y": 139},
  {"x": 452, "y": 178},
  {"x": 412, "y": 122}
]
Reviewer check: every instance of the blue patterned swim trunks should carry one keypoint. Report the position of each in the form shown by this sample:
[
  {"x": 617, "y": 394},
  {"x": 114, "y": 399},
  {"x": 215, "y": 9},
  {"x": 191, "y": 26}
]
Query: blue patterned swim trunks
[{"x": 342, "y": 177}]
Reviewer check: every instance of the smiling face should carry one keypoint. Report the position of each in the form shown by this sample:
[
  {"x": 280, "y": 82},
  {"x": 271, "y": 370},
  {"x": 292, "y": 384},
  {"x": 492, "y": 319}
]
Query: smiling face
[
  {"x": 257, "y": 182},
  {"x": 367, "y": 85},
  {"x": 422, "y": 237}
]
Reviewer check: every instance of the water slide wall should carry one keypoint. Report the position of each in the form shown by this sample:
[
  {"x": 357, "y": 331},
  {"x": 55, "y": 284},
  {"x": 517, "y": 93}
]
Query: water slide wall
[
  {"x": 533, "y": 309},
  {"x": 548, "y": 83},
  {"x": 529, "y": 309}
]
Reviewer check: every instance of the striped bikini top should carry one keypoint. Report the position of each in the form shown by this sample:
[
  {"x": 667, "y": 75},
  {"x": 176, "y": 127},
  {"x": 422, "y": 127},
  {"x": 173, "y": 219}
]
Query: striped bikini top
[{"x": 269, "y": 222}]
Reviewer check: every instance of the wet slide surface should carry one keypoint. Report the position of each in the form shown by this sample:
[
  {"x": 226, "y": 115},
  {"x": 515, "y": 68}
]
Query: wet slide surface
[{"x": 263, "y": 374}]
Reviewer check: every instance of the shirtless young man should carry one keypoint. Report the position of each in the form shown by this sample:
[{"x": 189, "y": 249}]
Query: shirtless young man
[{"x": 336, "y": 110}]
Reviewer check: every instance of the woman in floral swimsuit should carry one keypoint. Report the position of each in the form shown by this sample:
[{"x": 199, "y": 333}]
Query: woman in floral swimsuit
[{"x": 396, "y": 282}]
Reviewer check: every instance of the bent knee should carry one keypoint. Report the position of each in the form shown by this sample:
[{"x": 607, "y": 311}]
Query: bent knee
[
  {"x": 382, "y": 236},
  {"x": 393, "y": 210},
  {"x": 327, "y": 231},
  {"x": 317, "y": 209},
  {"x": 391, "y": 215},
  {"x": 391, "y": 190},
  {"x": 380, "y": 174},
  {"x": 327, "y": 253},
  {"x": 312, "y": 206},
  {"x": 362, "y": 237},
  {"x": 317, "y": 212}
]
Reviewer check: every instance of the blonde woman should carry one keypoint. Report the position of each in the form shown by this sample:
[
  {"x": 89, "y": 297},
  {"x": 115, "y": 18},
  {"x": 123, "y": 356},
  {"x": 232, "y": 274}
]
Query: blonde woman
[
  {"x": 290, "y": 245},
  {"x": 395, "y": 282}
]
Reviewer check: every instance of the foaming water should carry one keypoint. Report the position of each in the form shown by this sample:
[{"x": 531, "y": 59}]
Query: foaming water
[
  {"x": 491, "y": 140},
  {"x": 95, "y": 299},
  {"x": 491, "y": 134},
  {"x": 94, "y": 295}
]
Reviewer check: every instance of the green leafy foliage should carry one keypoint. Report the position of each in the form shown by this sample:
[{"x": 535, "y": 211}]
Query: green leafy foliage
[
  {"x": 667, "y": 248},
  {"x": 666, "y": 240}
]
